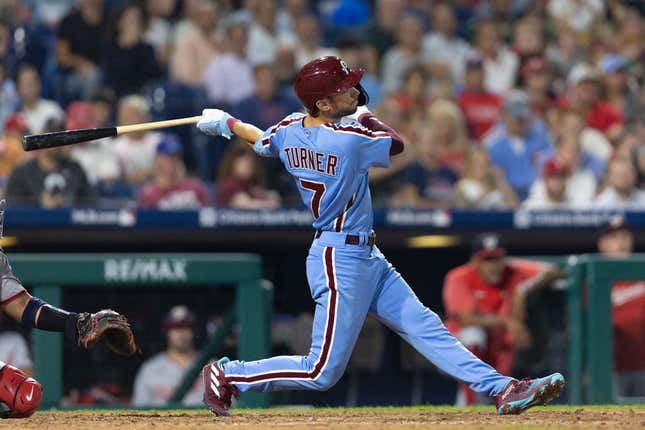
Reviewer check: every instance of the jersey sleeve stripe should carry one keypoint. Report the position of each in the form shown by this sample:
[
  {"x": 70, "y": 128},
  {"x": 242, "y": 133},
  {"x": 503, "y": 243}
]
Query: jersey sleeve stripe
[
  {"x": 357, "y": 130},
  {"x": 278, "y": 126}
]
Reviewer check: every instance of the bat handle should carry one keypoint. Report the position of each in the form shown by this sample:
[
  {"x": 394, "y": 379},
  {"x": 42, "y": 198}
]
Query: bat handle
[{"x": 158, "y": 124}]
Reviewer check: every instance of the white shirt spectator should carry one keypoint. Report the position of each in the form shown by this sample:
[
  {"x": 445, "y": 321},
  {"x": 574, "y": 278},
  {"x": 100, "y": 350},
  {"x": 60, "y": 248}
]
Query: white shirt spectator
[
  {"x": 452, "y": 51},
  {"x": 37, "y": 117},
  {"x": 157, "y": 381},
  {"x": 262, "y": 47},
  {"x": 578, "y": 14},
  {"x": 228, "y": 79},
  {"x": 393, "y": 66},
  {"x": 98, "y": 159},
  {"x": 609, "y": 198},
  {"x": 580, "y": 191},
  {"x": 14, "y": 350},
  {"x": 500, "y": 72},
  {"x": 136, "y": 155}
]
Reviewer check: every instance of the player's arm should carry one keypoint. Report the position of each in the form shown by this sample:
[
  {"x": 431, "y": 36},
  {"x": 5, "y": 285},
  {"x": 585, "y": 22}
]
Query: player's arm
[
  {"x": 216, "y": 122},
  {"x": 369, "y": 121}
]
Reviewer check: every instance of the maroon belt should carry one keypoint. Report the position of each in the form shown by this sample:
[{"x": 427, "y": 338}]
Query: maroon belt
[{"x": 351, "y": 239}]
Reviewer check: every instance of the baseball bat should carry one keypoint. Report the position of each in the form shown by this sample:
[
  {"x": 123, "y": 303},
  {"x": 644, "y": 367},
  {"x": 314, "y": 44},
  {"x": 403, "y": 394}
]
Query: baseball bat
[{"x": 69, "y": 137}]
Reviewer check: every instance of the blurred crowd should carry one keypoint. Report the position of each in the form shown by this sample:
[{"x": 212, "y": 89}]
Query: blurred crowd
[{"x": 502, "y": 103}]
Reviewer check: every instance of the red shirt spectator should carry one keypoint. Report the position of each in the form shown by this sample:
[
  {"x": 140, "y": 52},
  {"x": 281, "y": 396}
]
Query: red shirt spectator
[
  {"x": 170, "y": 188},
  {"x": 481, "y": 108}
]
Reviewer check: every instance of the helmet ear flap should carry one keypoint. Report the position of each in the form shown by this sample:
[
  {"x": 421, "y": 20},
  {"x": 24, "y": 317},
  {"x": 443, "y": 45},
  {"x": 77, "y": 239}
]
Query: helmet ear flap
[{"x": 363, "y": 97}]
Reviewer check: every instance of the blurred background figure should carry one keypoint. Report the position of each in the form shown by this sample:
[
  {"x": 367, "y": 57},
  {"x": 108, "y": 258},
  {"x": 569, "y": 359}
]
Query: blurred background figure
[
  {"x": 170, "y": 187},
  {"x": 485, "y": 302},
  {"x": 51, "y": 179},
  {"x": 620, "y": 189},
  {"x": 500, "y": 63},
  {"x": 519, "y": 144},
  {"x": 35, "y": 110},
  {"x": 401, "y": 56},
  {"x": 160, "y": 375},
  {"x": 13, "y": 347},
  {"x": 616, "y": 240},
  {"x": 11, "y": 152},
  {"x": 241, "y": 181},
  {"x": 481, "y": 108}
]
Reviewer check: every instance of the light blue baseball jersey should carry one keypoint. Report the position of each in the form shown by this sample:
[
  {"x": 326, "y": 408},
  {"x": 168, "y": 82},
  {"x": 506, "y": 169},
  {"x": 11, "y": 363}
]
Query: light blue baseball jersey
[{"x": 329, "y": 164}]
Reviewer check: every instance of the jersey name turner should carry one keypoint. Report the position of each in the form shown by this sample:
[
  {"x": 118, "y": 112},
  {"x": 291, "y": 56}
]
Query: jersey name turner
[{"x": 303, "y": 158}]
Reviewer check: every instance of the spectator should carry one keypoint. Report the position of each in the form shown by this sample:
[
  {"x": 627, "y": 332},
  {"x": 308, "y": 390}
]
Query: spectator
[
  {"x": 413, "y": 97},
  {"x": 425, "y": 181},
  {"x": 194, "y": 44},
  {"x": 9, "y": 99},
  {"x": 11, "y": 152},
  {"x": 578, "y": 15},
  {"x": 170, "y": 188},
  {"x": 308, "y": 43},
  {"x": 136, "y": 151},
  {"x": 129, "y": 61},
  {"x": 485, "y": 302},
  {"x": 620, "y": 93},
  {"x": 228, "y": 77},
  {"x": 35, "y": 110},
  {"x": 528, "y": 38},
  {"x": 385, "y": 25},
  {"x": 628, "y": 315},
  {"x": 79, "y": 51},
  {"x": 482, "y": 185},
  {"x": 158, "y": 33},
  {"x": 500, "y": 63},
  {"x": 584, "y": 96},
  {"x": 288, "y": 14},
  {"x": 449, "y": 132},
  {"x": 267, "y": 105},
  {"x": 359, "y": 56},
  {"x": 241, "y": 181},
  {"x": 160, "y": 375},
  {"x": 481, "y": 108},
  {"x": 401, "y": 56},
  {"x": 50, "y": 180},
  {"x": 620, "y": 191},
  {"x": 537, "y": 79},
  {"x": 263, "y": 36},
  {"x": 560, "y": 188},
  {"x": 519, "y": 144},
  {"x": 595, "y": 149},
  {"x": 443, "y": 51}
]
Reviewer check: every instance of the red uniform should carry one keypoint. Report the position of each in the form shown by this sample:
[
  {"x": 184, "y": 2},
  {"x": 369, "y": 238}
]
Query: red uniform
[
  {"x": 628, "y": 304},
  {"x": 465, "y": 291}
]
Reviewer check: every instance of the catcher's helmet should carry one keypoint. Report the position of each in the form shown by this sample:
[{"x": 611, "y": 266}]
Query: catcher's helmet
[{"x": 324, "y": 77}]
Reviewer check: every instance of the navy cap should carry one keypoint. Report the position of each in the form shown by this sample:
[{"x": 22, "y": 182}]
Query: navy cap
[
  {"x": 615, "y": 223},
  {"x": 169, "y": 145},
  {"x": 487, "y": 245},
  {"x": 178, "y": 317}
]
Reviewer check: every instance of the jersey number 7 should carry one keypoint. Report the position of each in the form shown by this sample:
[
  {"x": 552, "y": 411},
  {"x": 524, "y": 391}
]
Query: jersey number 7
[{"x": 318, "y": 189}]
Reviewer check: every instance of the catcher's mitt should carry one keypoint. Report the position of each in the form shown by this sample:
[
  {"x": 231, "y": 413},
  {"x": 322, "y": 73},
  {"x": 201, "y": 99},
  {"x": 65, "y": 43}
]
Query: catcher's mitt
[{"x": 108, "y": 326}]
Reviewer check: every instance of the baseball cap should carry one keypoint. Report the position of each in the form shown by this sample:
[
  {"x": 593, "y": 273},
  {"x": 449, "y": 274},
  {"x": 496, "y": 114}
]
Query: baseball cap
[
  {"x": 516, "y": 104},
  {"x": 169, "y": 145},
  {"x": 533, "y": 65},
  {"x": 177, "y": 317},
  {"x": 611, "y": 63},
  {"x": 554, "y": 167},
  {"x": 488, "y": 245},
  {"x": 582, "y": 72},
  {"x": 474, "y": 60}
]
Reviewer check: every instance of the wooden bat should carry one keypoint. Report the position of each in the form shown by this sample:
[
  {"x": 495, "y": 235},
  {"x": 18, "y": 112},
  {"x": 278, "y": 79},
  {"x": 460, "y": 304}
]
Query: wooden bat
[{"x": 69, "y": 137}]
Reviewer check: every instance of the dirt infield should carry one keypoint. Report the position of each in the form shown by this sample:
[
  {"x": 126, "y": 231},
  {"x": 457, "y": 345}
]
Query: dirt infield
[{"x": 350, "y": 419}]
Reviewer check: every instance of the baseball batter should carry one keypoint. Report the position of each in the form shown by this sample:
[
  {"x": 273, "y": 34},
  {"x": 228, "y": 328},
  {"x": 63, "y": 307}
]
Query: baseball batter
[
  {"x": 328, "y": 151},
  {"x": 20, "y": 395}
]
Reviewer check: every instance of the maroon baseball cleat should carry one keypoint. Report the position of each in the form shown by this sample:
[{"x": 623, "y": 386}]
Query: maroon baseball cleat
[
  {"x": 218, "y": 393},
  {"x": 519, "y": 396}
]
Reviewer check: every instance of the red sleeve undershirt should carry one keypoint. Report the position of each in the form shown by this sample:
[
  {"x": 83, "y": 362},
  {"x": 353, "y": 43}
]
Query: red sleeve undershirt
[{"x": 370, "y": 121}]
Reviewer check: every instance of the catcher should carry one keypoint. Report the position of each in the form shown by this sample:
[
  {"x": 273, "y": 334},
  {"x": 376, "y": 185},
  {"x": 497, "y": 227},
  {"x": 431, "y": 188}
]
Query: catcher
[{"x": 20, "y": 395}]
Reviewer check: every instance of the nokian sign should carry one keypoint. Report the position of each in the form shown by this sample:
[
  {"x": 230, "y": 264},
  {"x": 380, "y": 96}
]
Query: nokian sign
[{"x": 145, "y": 270}]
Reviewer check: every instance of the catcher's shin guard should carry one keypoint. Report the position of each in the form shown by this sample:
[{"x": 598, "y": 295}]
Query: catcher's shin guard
[{"x": 20, "y": 394}]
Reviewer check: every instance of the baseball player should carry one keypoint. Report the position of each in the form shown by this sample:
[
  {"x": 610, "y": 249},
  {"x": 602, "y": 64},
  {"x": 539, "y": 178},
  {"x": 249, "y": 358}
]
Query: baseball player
[
  {"x": 20, "y": 395},
  {"x": 329, "y": 157}
]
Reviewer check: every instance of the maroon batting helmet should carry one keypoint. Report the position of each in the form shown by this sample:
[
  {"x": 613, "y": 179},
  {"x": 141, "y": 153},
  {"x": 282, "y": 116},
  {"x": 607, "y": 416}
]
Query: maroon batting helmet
[{"x": 324, "y": 77}]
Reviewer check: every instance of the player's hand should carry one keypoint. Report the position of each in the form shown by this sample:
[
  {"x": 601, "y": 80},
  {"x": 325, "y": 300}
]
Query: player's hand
[
  {"x": 214, "y": 123},
  {"x": 360, "y": 111}
]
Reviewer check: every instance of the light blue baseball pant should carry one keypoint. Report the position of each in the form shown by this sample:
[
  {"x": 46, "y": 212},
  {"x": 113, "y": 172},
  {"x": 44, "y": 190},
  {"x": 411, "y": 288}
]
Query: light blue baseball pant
[{"x": 348, "y": 282}]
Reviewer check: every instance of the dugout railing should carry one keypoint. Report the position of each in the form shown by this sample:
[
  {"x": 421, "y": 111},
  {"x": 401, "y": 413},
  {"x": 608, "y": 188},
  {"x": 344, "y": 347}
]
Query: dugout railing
[{"x": 48, "y": 274}]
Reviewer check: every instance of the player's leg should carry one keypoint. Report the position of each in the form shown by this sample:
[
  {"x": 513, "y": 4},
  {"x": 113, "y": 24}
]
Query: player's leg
[
  {"x": 396, "y": 305},
  {"x": 341, "y": 283},
  {"x": 20, "y": 395}
]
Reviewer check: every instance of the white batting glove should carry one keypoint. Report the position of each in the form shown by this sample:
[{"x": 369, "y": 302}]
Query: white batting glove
[
  {"x": 214, "y": 123},
  {"x": 356, "y": 115}
]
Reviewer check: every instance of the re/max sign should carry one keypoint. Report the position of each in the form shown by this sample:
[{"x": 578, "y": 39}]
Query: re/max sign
[{"x": 145, "y": 270}]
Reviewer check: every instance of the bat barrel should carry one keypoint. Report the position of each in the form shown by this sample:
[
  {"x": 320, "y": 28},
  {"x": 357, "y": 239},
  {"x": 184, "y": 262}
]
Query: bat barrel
[{"x": 63, "y": 138}]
